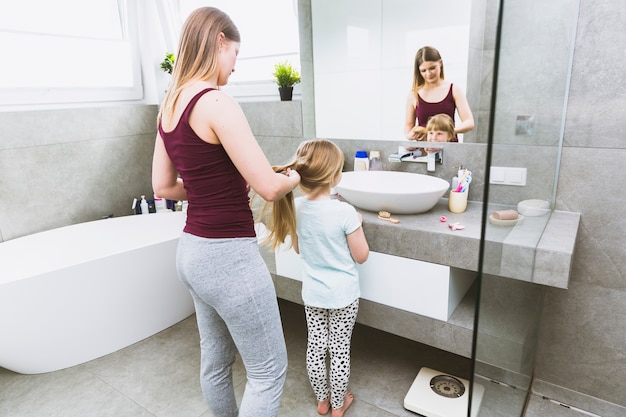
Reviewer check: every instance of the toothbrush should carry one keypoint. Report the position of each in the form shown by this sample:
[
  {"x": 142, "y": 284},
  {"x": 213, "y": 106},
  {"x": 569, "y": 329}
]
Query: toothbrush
[{"x": 464, "y": 181}]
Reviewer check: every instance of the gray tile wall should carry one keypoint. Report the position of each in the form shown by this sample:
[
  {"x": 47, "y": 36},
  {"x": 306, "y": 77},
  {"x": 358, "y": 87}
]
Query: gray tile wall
[
  {"x": 583, "y": 333},
  {"x": 67, "y": 166}
]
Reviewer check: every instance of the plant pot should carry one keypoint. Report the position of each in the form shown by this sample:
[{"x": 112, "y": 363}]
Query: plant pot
[{"x": 286, "y": 93}]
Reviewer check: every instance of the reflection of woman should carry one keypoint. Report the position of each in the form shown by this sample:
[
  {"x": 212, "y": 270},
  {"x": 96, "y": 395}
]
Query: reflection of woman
[{"x": 432, "y": 95}]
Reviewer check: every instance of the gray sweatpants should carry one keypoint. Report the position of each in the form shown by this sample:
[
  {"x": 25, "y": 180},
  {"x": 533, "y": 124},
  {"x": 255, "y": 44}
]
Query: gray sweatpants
[{"x": 236, "y": 310}]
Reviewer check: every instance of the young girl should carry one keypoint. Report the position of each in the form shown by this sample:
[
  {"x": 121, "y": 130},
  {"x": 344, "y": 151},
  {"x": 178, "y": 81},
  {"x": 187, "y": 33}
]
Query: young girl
[
  {"x": 330, "y": 240},
  {"x": 440, "y": 128}
]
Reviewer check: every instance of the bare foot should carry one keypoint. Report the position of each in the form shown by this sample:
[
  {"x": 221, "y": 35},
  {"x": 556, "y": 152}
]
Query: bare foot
[
  {"x": 323, "y": 406},
  {"x": 347, "y": 400}
]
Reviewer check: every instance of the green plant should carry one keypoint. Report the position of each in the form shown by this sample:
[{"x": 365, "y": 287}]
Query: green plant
[
  {"x": 285, "y": 75},
  {"x": 168, "y": 63}
]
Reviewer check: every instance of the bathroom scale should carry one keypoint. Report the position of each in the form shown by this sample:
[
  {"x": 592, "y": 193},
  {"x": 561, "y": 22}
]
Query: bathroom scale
[{"x": 437, "y": 394}]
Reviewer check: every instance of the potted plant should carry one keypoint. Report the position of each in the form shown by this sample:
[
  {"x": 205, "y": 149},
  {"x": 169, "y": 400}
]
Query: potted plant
[
  {"x": 168, "y": 63},
  {"x": 286, "y": 77}
]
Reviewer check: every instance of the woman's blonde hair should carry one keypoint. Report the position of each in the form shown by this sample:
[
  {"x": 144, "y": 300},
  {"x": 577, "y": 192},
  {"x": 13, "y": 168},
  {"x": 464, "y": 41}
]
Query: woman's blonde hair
[
  {"x": 443, "y": 123},
  {"x": 319, "y": 163},
  {"x": 198, "y": 49},
  {"x": 424, "y": 54}
]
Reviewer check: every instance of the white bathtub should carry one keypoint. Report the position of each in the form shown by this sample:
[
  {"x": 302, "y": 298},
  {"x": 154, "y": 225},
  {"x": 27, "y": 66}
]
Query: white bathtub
[{"x": 76, "y": 293}]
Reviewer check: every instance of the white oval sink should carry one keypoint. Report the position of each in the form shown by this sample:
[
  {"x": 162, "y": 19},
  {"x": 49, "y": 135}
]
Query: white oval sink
[{"x": 392, "y": 191}]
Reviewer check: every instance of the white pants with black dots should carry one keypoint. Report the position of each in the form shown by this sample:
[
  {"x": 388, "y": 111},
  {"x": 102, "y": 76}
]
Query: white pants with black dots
[{"x": 330, "y": 330}]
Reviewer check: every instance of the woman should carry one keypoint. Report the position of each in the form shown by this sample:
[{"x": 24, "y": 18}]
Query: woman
[
  {"x": 205, "y": 153},
  {"x": 432, "y": 95}
]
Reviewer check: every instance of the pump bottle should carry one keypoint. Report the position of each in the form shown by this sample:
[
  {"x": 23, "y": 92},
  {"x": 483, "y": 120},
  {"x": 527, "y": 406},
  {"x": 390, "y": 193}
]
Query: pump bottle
[
  {"x": 375, "y": 163},
  {"x": 361, "y": 163},
  {"x": 144, "y": 205}
]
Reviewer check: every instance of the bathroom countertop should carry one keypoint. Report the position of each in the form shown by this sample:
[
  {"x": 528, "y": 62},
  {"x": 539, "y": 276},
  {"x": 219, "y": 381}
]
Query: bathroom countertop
[{"x": 537, "y": 249}]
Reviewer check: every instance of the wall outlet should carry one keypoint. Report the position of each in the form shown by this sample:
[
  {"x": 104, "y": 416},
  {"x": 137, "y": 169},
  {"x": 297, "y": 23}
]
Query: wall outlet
[{"x": 507, "y": 176}]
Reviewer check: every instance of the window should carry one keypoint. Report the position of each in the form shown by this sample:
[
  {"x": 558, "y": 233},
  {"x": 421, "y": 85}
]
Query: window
[
  {"x": 269, "y": 33},
  {"x": 67, "y": 51}
]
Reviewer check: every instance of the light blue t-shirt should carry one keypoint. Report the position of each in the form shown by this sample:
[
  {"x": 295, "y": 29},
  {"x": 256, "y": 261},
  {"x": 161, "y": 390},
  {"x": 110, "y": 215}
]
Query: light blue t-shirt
[{"x": 330, "y": 278}]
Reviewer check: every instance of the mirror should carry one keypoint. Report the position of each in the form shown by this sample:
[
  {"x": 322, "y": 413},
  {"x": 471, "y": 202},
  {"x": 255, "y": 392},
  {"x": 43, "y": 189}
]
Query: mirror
[{"x": 363, "y": 55}]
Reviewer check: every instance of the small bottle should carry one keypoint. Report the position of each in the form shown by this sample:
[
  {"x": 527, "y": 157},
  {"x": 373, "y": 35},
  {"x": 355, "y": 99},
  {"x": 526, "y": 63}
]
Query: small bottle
[
  {"x": 455, "y": 179},
  {"x": 375, "y": 163},
  {"x": 361, "y": 163},
  {"x": 144, "y": 205},
  {"x": 455, "y": 183},
  {"x": 160, "y": 204}
]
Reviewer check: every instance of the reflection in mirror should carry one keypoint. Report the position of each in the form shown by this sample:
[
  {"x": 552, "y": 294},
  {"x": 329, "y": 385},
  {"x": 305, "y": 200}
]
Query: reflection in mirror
[
  {"x": 534, "y": 74},
  {"x": 363, "y": 57}
]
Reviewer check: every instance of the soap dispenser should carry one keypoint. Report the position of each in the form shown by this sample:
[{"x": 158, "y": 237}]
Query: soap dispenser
[
  {"x": 375, "y": 163},
  {"x": 144, "y": 205},
  {"x": 361, "y": 163}
]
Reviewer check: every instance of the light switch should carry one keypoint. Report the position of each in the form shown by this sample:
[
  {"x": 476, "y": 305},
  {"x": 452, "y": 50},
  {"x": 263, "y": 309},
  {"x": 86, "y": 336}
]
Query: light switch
[
  {"x": 514, "y": 176},
  {"x": 507, "y": 176},
  {"x": 496, "y": 175}
]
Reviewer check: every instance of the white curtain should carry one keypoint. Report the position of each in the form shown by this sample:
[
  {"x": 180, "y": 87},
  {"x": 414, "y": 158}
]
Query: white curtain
[{"x": 171, "y": 22}]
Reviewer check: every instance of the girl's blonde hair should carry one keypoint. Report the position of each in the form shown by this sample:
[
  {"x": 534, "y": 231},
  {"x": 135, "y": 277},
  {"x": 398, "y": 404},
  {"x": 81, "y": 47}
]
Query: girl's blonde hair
[
  {"x": 198, "y": 49},
  {"x": 319, "y": 163},
  {"x": 443, "y": 123}
]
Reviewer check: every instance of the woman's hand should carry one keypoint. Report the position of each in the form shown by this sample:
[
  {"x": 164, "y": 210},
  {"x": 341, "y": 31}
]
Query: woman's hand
[
  {"x": 432, "y": 150},
  {"x": 293, "y": 174},
  {"x": 418, "y": 133}
]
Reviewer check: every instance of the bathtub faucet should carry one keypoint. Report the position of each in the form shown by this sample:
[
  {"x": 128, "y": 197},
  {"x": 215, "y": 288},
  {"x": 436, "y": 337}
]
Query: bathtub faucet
[{"x": 419, "y": 155}]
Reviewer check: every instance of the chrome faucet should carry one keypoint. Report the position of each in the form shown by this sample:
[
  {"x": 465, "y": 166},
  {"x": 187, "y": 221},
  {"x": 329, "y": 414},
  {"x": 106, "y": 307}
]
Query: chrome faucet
[{"x": 419, "y": 155}]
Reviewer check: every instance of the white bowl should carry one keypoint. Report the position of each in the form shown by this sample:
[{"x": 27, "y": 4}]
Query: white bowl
[
  {"x": 392, "y": 191},
  {"x": 533, "y": 208}
]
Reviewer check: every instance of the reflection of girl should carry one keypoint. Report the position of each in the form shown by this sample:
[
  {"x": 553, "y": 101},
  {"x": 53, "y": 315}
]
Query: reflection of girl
[
  {"x": 331, "y": 241},
  {"x": 432, "y": 95},
  {"x": 440, "y": 128}
]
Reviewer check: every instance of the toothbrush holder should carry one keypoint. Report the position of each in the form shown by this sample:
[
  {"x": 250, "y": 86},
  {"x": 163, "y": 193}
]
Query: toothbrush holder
[{"x": 457, "y": 201}]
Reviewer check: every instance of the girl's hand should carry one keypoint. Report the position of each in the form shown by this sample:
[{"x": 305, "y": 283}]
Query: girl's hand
[{"x": 431, "y": 150}]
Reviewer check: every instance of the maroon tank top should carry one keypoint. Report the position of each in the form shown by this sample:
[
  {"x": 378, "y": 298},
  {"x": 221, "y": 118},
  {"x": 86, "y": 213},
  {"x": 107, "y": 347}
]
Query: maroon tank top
[
  {"x": 219, "y": 205},
  {"x": 425, "y": 109}
]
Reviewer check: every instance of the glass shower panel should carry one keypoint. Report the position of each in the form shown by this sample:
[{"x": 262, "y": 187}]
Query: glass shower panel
[{"x": 534, "y": 50}]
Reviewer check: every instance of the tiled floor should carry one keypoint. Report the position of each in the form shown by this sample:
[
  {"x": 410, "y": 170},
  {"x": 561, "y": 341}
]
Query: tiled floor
[{"x": 159, "y": 377}]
